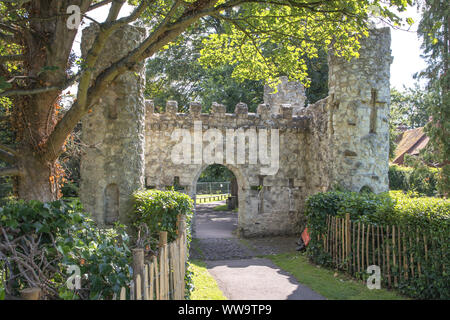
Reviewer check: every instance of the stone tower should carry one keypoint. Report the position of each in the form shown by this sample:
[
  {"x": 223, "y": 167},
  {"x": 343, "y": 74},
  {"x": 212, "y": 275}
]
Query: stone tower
[
  {"x": 359, "y": 98},
  {"x": 112, "y": 164},
  {"x": 288, "y": 93}
]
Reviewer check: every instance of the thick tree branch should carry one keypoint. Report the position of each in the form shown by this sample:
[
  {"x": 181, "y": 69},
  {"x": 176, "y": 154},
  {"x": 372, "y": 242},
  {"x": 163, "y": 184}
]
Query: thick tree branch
[
  {"x": 8, "y": 149},
  {"x": 7, "y": 157},
  {"x": 114, "y": 10},
  {"x": 106, "y": 29},
  {"x": 8, "y": 28},
  {"x": 10, "y": 171},
  {"x": 26, "y": 92},
  {"x": 6, "y": 37},
  {"x": 7, "y": 154},
  {"x": 99, "y": 4}
]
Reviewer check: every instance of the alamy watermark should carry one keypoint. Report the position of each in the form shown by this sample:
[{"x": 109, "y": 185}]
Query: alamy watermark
[
  {"x": 74, "y": 280},
  {"x": 74, "y": 20},
  {"x": 213, "y": 147},
  {"x": 374, "y": 280}
]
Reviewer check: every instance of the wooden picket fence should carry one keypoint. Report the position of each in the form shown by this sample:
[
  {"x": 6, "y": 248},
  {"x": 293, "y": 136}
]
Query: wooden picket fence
[
  {"x": 400, "y": 252},
  {"x": 162, "y": 276}
]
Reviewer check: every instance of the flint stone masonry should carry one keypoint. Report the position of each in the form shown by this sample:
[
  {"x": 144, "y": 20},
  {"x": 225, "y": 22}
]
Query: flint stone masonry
[
  {"x": 342, "y": 139},
  {"x": 359, "y": 98},
  {"x": 112, "y": 165},
  {"x": 287, "y": 92}
]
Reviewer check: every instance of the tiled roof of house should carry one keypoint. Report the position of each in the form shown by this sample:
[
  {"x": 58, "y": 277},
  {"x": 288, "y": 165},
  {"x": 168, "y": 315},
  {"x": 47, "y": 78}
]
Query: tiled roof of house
[{"x": 412, "y": 142}]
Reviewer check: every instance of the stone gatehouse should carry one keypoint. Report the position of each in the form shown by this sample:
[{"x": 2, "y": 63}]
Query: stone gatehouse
[{"x": 340, "y": 140}]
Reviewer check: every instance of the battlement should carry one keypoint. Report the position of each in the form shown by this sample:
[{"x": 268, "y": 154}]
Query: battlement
[{"x": 263, "y": 118}]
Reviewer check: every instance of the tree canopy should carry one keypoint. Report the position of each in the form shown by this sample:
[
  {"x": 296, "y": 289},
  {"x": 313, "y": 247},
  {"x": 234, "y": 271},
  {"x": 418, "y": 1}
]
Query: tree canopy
[
  {"x": 434, "y": 31},
  {"x": 261, "y": 39}
]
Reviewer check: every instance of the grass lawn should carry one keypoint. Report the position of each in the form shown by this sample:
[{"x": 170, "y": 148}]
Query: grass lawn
[
  {"x": 205, "y": 287},
  {"x": 223, "y": 207},
  {"x": 329, "y": 283}
]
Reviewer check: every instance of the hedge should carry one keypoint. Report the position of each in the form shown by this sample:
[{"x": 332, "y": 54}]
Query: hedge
[
  {"x": 158, "y": 211},
  {"x": 431, "y": 216},
  {"x": 65, "y": 235},
  {"x": 421, "y": 179},
  {"x": 155, "y": 211}
]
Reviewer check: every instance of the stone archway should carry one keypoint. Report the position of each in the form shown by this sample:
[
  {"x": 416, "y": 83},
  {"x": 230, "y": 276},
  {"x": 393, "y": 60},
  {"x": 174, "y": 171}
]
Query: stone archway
[{"x": 243, "y": 187}]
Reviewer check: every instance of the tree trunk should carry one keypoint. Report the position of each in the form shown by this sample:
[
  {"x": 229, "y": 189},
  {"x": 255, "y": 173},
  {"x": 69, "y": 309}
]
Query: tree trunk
[
  {"x": 39, "y": 179},
  {"x": 35, "y": 119}
]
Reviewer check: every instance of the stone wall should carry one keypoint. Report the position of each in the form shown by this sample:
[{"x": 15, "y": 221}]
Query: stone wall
[{"x": 340, "y": 140}]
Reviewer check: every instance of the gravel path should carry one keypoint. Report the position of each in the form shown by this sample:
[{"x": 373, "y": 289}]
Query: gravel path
[{"x": 236, "y": 264}]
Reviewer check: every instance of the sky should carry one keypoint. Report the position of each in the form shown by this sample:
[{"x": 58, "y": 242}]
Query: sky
[{"x": 405, "y": 46}]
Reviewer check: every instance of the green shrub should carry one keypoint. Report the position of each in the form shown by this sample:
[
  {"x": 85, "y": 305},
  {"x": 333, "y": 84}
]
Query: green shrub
[
  {"x": 428, "y": 216},
  {"x": 70, "y": 189},
  {"x": 421, "y": 179},
  {"x": 399, "y": 177},
  {"x": 66, "y": 236},
  {"x": 155, "y": 211},
  {"x": 159, "y": 211}
]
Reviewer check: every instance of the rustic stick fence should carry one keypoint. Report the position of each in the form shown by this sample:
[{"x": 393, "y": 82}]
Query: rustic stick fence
[
  {"x": 401, "y": 252},
  {"x": 161, "y": 276}
]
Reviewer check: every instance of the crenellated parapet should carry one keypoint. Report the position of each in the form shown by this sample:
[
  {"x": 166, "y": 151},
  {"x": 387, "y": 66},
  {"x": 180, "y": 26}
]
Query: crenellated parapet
[{"x": 218, "y": 118}]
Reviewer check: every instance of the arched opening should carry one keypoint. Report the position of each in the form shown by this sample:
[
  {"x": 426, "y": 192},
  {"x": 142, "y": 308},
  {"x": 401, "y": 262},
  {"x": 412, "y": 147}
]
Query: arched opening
[
  {"x": 111, "y": 214},
  {"x": 366, "y": 189},
  {"x": 216, "y": 194}
]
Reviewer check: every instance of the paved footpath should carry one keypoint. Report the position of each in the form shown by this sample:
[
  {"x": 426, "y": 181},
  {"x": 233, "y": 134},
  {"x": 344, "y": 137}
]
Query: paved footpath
[{"x": 235, "y": 263}]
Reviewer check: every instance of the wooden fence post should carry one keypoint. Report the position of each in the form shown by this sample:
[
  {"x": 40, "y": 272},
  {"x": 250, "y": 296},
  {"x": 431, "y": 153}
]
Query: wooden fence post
[
  {"x": 357, "y": 248},
  {"x": 162, "y": 238},
  {"x": 181, "y": 224},
  {"x": 163, "y": 273},
  {"x": 348, "y": 247},
  {"x": 388, "y": 254},
  {"x": 353, "y": 247},
  {"x": 367, "y": 247},
  {"x": 138, "y": 270},
  {"x": 400, "y": 265},
  {"x": 363, "y": 243},
  {"x": 146, "y": 283},
  {"x": 343, "y": 232},
  {"x": 31, "y": 293},
  {"x": 373, "y": 244},
  {"x": 157, "y": 278},
  {"x": 394, "y": 264},
  {"x": 411, "y": 259},
  {"x": 123, "y": 294},
  {"x": 378, "y": 247}
]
